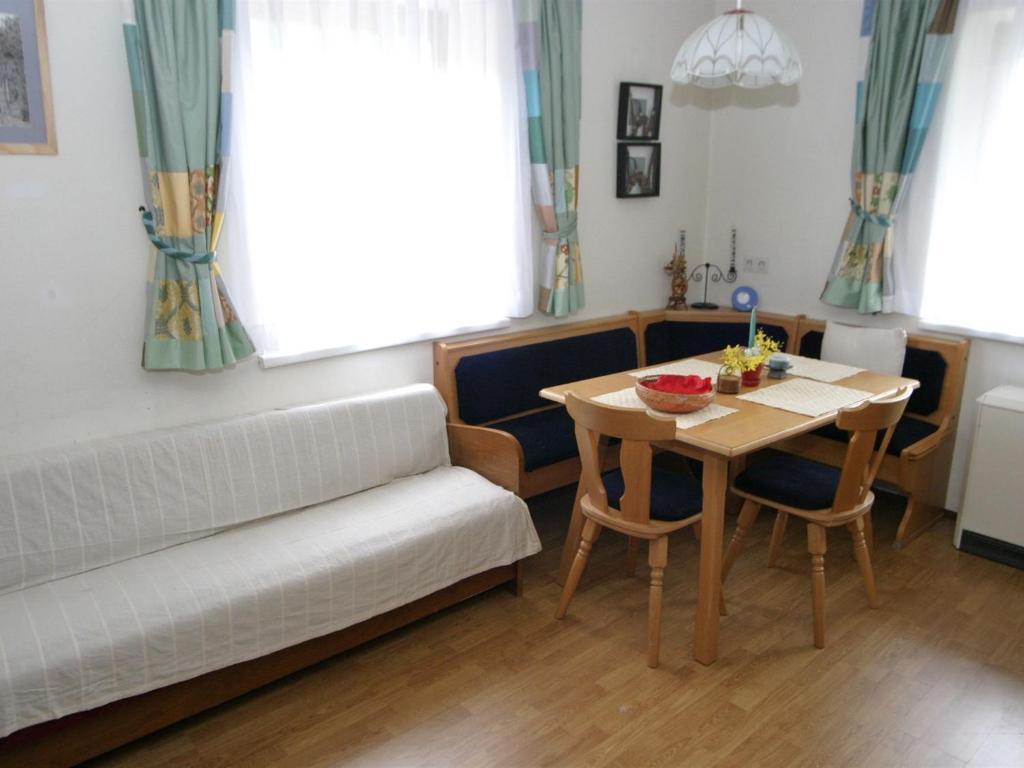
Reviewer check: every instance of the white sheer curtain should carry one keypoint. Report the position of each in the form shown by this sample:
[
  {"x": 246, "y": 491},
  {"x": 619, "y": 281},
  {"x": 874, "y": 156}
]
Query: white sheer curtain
[
  {"x": 380, "y": 173},
  {"x": 974, "y": 270}
]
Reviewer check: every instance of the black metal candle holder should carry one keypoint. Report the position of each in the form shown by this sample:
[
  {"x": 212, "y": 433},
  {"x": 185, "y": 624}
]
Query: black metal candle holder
[
  {"x": 712, "y": 274},
  {"x": 717, "y": 277}
]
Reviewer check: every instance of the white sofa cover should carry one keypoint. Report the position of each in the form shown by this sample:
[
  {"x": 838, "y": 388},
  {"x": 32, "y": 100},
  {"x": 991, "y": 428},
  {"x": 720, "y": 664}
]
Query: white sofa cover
[{"x": 132, "y": 563}]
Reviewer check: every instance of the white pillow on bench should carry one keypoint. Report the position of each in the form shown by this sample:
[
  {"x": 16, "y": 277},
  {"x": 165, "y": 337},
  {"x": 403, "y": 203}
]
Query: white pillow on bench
[{"x": 877, "y": 349}]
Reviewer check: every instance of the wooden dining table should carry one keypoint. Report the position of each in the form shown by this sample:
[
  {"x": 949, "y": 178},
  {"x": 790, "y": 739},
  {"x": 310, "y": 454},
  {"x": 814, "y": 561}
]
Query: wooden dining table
[{"x": 718, "y": 444}]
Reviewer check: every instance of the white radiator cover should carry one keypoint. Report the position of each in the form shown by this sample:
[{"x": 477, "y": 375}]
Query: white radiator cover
[{"x": 994, "y": 500}]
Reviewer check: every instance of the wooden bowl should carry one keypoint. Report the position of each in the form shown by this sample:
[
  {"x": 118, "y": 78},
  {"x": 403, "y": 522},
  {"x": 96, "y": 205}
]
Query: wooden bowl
[{"x": 671, "y": 402}]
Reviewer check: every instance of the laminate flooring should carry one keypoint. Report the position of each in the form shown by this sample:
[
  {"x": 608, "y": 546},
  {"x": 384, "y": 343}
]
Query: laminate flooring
[{"x": 933, "y": 678}]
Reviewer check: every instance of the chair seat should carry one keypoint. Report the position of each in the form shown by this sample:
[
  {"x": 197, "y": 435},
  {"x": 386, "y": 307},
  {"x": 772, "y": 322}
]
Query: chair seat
[
  {"x": 792, "y": 481},
  {"x": 674, "y": 495},
  {"x": 908, "y": 431}
]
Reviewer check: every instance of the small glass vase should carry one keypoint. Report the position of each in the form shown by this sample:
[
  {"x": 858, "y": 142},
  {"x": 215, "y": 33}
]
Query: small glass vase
[{"x": 752, "y": 378}]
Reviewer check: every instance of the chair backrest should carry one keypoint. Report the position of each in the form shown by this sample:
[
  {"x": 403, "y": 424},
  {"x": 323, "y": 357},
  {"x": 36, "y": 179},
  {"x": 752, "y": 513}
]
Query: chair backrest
[
  {"x": 636, "y": 429},
  {"x": 862, "y": 461}
]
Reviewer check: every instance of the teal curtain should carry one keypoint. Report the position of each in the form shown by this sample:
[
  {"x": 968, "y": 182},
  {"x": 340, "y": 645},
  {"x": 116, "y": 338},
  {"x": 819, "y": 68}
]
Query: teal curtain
[
  {"x": 178, "y": 52},
  {"x": 549, "y": 46},
  {"x": 907, "y": 41}
]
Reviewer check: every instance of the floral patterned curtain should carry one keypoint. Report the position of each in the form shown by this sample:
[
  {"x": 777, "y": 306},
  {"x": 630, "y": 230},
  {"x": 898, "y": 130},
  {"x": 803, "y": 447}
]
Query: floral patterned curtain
[
  {"x": 549, "y": 41},
  {"x": 178, "y": 60},
  {"x": 907, "y": 42}
]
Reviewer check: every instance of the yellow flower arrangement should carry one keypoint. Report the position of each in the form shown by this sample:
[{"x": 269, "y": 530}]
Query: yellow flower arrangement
[
  {"x": 738, "y": 358},
  {"x": 766, "y": 344}
]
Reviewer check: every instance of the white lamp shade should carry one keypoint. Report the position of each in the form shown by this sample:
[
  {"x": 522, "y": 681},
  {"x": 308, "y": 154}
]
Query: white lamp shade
[{"x": 737, "y": 48}]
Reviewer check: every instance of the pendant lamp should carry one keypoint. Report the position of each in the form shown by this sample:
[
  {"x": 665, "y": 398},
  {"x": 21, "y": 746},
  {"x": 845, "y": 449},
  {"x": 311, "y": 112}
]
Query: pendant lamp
[{"x": 737, "y": 48}]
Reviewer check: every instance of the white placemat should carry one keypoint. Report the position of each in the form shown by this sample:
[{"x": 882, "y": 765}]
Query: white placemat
[
  {"x": 820, "y": 370},
  {"x": 683, "y": 368},
  {"x": 628, "y": 398},
  {"x": 810, "y": 398}
]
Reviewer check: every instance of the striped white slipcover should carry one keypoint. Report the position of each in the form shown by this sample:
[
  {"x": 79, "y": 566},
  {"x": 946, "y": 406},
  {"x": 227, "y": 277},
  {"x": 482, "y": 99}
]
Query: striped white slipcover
[{"x": 128, "y": 591}]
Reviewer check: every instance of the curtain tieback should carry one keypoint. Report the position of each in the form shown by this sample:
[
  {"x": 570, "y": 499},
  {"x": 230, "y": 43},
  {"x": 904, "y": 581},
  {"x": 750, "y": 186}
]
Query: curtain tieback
[
  {"x": 564, "y": 232},
  {"x": 204, "y": 257},
  {"x": 874, "y": 218}
]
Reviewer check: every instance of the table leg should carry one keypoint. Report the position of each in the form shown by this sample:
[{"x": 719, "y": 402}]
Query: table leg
[
  {"x": 716, "y": 481},
  {"x": 572, "y": 536}
]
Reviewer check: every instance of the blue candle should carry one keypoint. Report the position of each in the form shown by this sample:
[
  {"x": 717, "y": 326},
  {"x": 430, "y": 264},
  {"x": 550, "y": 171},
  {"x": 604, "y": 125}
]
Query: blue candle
[{"x": 753, "y": 327}]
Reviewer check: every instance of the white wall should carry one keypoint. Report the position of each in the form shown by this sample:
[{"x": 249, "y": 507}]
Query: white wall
[
  {"x": 780, "y": 172},
  {"x": 73, "y": 256},
  {"x": 73, "y": 253}
]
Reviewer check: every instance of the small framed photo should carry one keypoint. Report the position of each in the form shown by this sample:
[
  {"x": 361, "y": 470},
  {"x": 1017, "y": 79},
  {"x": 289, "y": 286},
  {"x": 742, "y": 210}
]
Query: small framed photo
[
  {"x": 639, "y": 111},
  {"x": 26, "y": 105},
  {"x": 639, "y": 170}
]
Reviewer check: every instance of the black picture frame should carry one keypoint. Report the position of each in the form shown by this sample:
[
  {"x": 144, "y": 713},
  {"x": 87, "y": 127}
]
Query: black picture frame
[
  {"x": 639, "y": 170},
  {"x": 639, "y": 112}
]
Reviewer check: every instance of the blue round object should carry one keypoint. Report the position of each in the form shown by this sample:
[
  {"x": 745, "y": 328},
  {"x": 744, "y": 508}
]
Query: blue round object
[{"x": 744, "y": 298}]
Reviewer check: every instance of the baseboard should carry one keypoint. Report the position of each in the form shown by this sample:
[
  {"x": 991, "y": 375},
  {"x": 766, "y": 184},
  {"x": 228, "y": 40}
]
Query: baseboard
[{"x": 992, "y": 549}]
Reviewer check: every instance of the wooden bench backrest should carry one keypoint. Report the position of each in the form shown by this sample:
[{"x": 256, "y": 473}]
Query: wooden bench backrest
[
  {"x": 448, "y": 354},
  {"x": 953, "y": 351},
  {"x": 644, "y": 319}
]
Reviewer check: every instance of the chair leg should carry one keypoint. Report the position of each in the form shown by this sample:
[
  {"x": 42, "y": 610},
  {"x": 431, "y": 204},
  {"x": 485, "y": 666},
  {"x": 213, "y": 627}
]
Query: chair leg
[
  {"x": 572, "y": 536},
  {"x": 591, "y": 530},
  {"x": 696, "y": 530},
  {"x": 778, "y": 533},
  {"x": 748, "y": 514},
  {"x": 657, "y": 557},
  {"x": 631, "y": 555},
  {"x": 860, "y": 551},
  {"x": 869, "y": 531},
  {"x": 816, "y": 547}
]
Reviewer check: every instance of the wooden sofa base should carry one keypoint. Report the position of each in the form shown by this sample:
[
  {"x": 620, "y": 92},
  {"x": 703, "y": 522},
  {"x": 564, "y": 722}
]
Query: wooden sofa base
[{"x": 82, "y": 735}]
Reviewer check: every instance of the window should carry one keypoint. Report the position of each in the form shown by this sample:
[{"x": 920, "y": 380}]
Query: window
[
  {"x": 975, "y": 256},
  {"x": 378, "y": 180}
]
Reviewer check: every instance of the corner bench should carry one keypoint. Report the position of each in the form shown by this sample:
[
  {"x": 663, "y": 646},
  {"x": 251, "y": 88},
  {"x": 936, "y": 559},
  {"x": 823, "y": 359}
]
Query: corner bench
[
  {"x": 667, "y": 334},
  {"x": 921, "y": 450},
  {"x": 492, "y": 384}
]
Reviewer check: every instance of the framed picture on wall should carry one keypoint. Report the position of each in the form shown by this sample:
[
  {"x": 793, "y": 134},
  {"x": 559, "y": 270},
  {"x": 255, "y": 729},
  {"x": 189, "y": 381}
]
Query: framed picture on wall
[
  {"x": 639, "y": 170},
  {"x": 26, "y": 105},
  {"x": 639, "y": 111}
]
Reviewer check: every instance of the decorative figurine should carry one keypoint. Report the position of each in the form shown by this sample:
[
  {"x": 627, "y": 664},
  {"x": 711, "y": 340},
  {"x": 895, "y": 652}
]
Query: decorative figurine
[{"x": 677, "y": 268}]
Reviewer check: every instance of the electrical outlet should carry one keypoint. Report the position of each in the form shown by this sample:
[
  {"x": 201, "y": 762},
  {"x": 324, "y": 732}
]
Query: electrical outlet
[
  {"x": 762, "y": 266},
  {"x": 748, "y": 265}
]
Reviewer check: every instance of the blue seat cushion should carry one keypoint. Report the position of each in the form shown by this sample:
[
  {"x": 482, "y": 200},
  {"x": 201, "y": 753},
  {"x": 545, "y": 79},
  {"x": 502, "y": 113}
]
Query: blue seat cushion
[
  {"x": 792, "y": 481},
  {"x": 546, "y": 436},
  {"x": 908, "y": 431},
  {"x": 493, "y": 385},
  {"x": 674, "y": 495},
  {"x": 925, "y": 365},
  {"x": 669, "y": 340}
]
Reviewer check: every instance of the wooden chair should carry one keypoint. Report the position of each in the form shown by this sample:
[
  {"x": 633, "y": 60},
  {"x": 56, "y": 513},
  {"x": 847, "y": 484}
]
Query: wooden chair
[
  {"x": 637, "y": 500},
  {"x": 824, "y": 496}
]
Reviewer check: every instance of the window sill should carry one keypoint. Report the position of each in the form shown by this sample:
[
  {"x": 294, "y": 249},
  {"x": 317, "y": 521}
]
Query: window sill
[
  {"x": 971, "y": 332},
  {"x": 277, "y": 359}
]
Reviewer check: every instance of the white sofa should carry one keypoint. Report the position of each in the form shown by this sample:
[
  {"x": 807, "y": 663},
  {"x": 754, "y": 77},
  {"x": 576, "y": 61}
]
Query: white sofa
[{"x": 134, "y": 563}]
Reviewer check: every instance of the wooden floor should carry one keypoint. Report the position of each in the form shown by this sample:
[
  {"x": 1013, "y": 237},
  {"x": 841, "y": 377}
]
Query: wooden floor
[{"x": 934, "y": 678}]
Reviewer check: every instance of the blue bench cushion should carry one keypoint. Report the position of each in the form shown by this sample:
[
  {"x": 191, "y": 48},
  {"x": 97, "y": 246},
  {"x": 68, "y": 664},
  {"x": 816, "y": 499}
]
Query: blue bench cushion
[
  {"x": 925, "y": 365},
  {"x": 674, "y": 495},
  {"x": 669, "y": 340},
  {"x": 908, "y": 431},
  {"x": 546, "y": 436},
  {"x": 496, "y": 384},
  {"x": 792, "y": 481}
]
